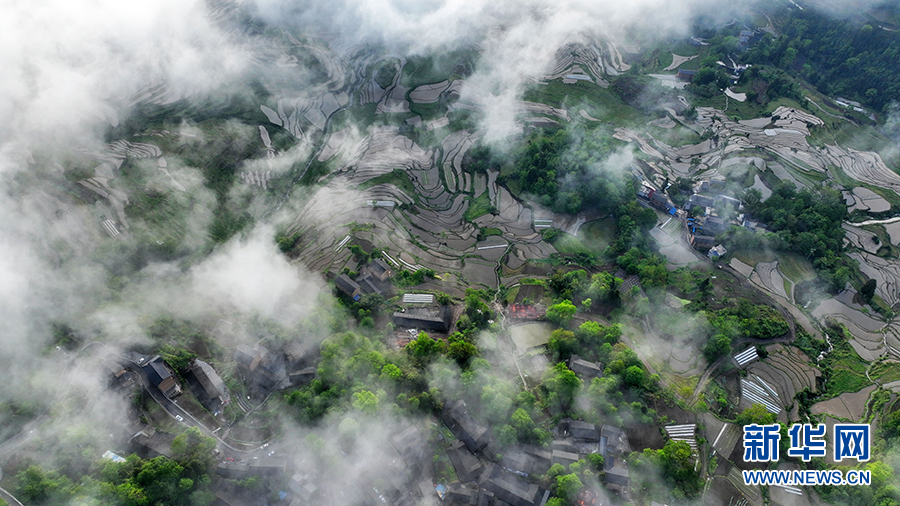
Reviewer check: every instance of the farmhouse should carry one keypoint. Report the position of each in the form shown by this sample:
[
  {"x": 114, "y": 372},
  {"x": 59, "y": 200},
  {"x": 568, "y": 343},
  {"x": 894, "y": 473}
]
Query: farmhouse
[
  {"x": 161, "y": 377},
  {"x": 348, "y": 286},
  {"x": 464, "y": 427},
  {"x": 208, "y": 386},
  {"x": 425, "y": 319},
  {"x": 685, "y": 75}
]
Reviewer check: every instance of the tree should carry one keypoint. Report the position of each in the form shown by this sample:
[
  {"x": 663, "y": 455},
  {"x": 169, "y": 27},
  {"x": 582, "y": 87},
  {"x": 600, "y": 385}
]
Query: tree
[
  {"x": 718, "y": 346},
  {"x": 868, "y": 289},
  {"x": 392, "y": 372},
  {"x": 424, "y": 349},
  {"x": 460, "y": 348},
  {"x": 366, "y": 402},
  {"x": 36, "y": 485},
  {"x": 634, "y": 376},
  {"x": 562, "y": 313},
  {"x": 678, "y": 466},
  {"x": 194, "y": 451},
  {"x": 568, "y": 486},
  {"x": 757, "y": 414},
  {"x": 562, "y": 344},
  {"x": 561, "y": 385}
]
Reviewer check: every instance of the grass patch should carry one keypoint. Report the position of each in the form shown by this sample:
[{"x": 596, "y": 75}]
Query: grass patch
[
  {"x": 396, "y": 177},
  {"x": 479, "y": 206},
  {"x": 511, "y": 296},
  {"x": 795, "y": 267},
  {"x": 754, "y": 257},
  {"x": 598, "y": 102},
  {"x": 428, "y": 112},
  {"x": 599, "y": 233},
  {"x": 885, "y": 372},
  {"x": 566, "y": 243},
  {"x": 844, "y": 370}
]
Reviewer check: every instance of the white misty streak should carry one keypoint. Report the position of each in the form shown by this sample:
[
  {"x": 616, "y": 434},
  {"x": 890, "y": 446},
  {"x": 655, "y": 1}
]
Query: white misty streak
[
  {"x": 253, "y": 277},
  {"x": 66, "y": 63}
]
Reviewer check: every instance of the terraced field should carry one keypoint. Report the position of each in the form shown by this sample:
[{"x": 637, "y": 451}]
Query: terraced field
[
  {"x": 775, "y": 380},
  {"x": 431, "y": 231}
]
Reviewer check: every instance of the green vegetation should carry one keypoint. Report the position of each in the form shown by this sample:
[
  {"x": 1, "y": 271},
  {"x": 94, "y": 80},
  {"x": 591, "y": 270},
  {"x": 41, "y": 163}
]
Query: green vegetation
[
  {"x": 840, "y": 56},
  {"x": 565, "y": 171},
  {"x": 807, "y": 222},
  {"x": 405, "y": 278},
  {"x": 182, "y": 480},
  {"x": 842, "y": 369},
  {"x": 396, "y": 177},
  {"x": 479, "y": 206}
]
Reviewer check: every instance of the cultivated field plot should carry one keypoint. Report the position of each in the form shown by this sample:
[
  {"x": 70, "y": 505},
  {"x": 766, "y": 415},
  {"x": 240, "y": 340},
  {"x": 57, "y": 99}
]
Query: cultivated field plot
[
  {"x": 670, "y": 342},
  {"x": 850, "y": 406},
  {"x": 868, "y": 340},
  {"x": 775, "y": 380},
  {"x": 433, "y": 232}
]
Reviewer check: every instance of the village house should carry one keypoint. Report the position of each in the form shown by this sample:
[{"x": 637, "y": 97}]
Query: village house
[
  {"x": 208, "y": 386},
  {"x": 161, "y": 377},
  {"x": 457, "y": 418}
]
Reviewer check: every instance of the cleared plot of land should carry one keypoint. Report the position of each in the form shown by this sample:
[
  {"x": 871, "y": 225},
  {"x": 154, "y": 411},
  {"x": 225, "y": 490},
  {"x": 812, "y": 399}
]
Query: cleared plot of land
[
  {"x": 678, "y": 60},
  {"x": 847, "y": 406},
  {"x": 674, "y": 248},
  {"x": 529, "y": 335}
]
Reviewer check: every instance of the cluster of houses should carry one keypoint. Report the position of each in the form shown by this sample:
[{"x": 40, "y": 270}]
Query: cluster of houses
[
  {"x": 657, "y": 199},
  {"x": 512, "y": 479},
  {"x": 487, "y": 477},
  {"x": 266, "y": 370},
  {"x": 373, "y": 278},
  {"x": 710, "y": 199}
]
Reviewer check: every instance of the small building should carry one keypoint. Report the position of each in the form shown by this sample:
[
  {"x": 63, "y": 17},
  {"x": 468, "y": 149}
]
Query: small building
[
  {"x": 744, "y": 37},
  {"x": 584, "y": 431},
  {"x": 109, "y": 455},
  {"x": 209, "y": 387},
  {"x": 702, "y": 242},
  {"x": 727, "y": 200},
  {"x": 660, "y": 201},
  {"x": 714, "y": 225},
  {"x": 261, "y": 467},
  {"x": 701, "y": 201},
  {"x": 613, "y": 444},
  {"x": 161, "y": 377},
  {"x": 460, "y": 495},
  {"x": 529, "y": 460},
  {"x": 618, "y": 477},
  {"x": 457, "y": 418},
  {"x": 303, "y": 376},
  {"x": 437, "y": 320},
  {"x": 114, "y": 367},
  {"x": 513, "y": 490},
  {"x": 685, "y": 75},
  {"x": 151, "y": 443},
  {"x": 299, "y": 354},
  {"x": 380, "y": 269},
  {"x": 303, "y": 486},
  {"x": 564, "y": 458},
  {"x": 248, "y": 357},
  {"x": 407, "y": 441},
  {"x": 716, "y": 252},
  {"x": 348, "y": 286},
  {"x": 466, "y": 464},
  {"x": 585, "y": 370}
]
